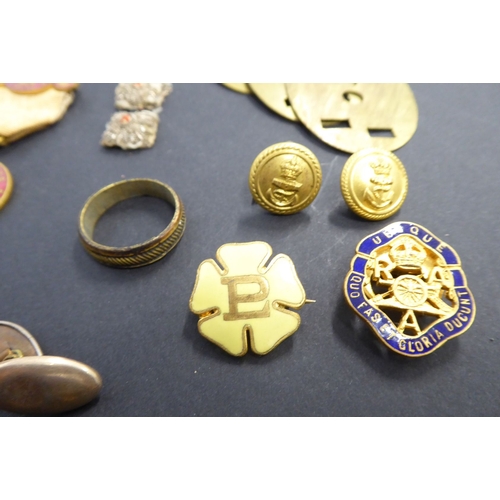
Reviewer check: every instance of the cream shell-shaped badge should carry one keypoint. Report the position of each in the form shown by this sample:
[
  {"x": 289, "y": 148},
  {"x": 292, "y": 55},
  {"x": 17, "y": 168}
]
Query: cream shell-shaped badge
[
  {"x": 246, "y": 300},
  {"x": 26, "y": 108},
  {"x": 374, "y": 183},
  {"x": 6, "y": 185},
  {"x": 285, "y": 178},
  {"x": 31, "y": 383}
]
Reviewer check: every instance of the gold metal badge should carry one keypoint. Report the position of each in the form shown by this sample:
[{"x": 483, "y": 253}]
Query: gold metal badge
[
  {"x": 275, "y": 97},
  {"x": 247, "y": 300},
  {"x": 410, "y": 288},
  {"x": 242, "y": 88},
  {"x": 353, "y": 116},
  {"x": 6, "y": 185},
  {"x": 374, "y": 183},
  {"x": 285, "y": 178}
]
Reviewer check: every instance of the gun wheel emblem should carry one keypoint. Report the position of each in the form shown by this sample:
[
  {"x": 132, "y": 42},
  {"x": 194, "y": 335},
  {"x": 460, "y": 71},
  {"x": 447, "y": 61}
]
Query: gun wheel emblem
[{"x": 410, "y": 288}]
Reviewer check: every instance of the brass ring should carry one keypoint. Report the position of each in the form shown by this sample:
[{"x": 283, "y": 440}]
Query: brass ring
[{"x": 136, "y": 255}]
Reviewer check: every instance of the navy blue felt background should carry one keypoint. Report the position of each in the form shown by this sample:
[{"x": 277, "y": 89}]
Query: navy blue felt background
[{"x": 134, "y": 326}]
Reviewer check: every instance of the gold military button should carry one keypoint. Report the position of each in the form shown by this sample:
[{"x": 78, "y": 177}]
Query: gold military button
[
  {"x": 285, "y": 178},
  {"x": 374, "y": 183}
]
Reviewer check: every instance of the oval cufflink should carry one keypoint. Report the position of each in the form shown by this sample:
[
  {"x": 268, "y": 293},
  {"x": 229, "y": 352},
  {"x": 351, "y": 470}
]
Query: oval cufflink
[{"x": 32, "y": 383}]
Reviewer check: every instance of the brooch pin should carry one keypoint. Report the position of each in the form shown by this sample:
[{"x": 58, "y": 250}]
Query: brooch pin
[
  {"x": 409, "y": 286},
  {"x": 137, "y": 127},
  {"x": 247, "y": 300}
]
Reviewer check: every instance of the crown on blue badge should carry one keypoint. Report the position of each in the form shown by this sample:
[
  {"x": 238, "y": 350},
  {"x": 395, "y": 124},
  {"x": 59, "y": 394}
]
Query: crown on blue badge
[{"x": 408, "y": 285}]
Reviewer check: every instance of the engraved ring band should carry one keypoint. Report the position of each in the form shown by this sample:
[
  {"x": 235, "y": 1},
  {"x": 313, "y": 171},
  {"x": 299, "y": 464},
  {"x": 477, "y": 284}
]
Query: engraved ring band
[{"x": 141, "y": 254}]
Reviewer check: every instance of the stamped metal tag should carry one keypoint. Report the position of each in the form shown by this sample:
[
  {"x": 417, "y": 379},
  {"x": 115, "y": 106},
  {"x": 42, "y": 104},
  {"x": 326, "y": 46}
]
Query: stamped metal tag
[
  {"x": 354, "y": 116},
  {"x": 410, "y": 288}
]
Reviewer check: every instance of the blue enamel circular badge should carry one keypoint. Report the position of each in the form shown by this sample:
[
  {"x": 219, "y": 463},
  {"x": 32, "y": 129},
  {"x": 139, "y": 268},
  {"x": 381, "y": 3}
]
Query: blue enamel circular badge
[{"x": 409, "y": 286}]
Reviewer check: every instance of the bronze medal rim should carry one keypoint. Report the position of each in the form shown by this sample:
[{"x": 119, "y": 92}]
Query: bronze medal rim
[
  {"x": 278, "y": 149},
  {"x": 345, "y": 179}
]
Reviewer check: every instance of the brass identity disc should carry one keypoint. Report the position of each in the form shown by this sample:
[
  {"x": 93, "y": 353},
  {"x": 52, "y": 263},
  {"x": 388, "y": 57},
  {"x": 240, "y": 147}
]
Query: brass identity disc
[
  {"x": 353, "y": 116},
  {"x": 6, "y": 185},
  {"x": 374, "y": 183},
  {"x": 242, "y": 88},
  {"x": 285, "y": 178},
  {"x": 274, "y": 96}
]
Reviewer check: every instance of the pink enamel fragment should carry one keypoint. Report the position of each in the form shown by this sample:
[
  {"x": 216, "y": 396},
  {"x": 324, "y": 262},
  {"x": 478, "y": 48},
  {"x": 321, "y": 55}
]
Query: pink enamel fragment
[{"x": 4, "y": 179}]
